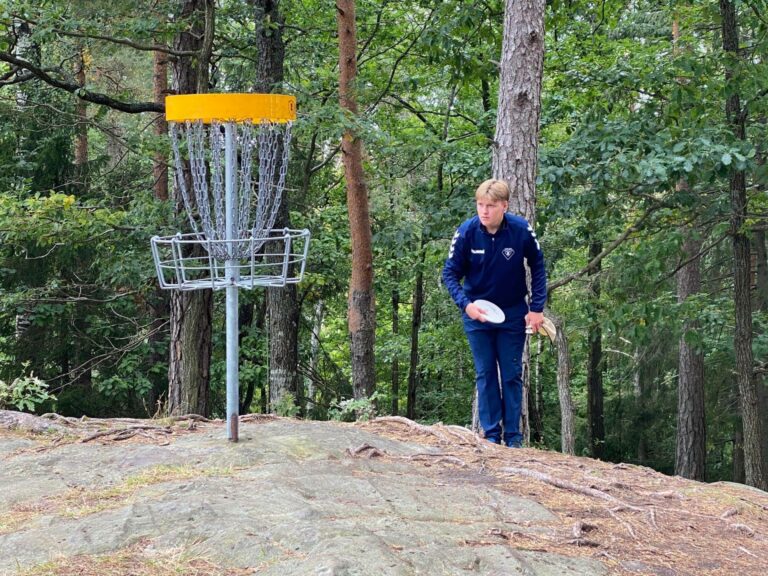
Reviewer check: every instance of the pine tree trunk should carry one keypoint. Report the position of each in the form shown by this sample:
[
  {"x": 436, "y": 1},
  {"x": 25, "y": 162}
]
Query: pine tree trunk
[
  {"x": 595, "y": 367},
  {"x": 81, "y": 129},
  {"x": 690, "y": 456},
  {"x": 567, "y": 428},
  {"x": 191, "y": 311},
  {"x": 362, "y": 306},
  {"x": 282, "y": 303},
  {"x": 761, "y": 303},
  {"x": 413, "y": 366},
  {"x": 160, "y": 90},
  {"x": 283, "y": 314},
  {"x": 516, "y": 142},
  {"x": 395, "y": 371},
  {"x": 314, "y": 354},
  {"x": 189, "y": 371},
  {"x": 160, "y": 299},
  {"x": 754, "y": 465}
]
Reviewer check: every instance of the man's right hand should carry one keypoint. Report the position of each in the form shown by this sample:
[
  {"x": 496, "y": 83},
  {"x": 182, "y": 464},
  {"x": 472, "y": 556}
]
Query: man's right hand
[{"x": 475, "y": 312}]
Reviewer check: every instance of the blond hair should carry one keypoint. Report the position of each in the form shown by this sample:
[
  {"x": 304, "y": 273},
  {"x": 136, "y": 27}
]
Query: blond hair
[{"x": 496, "y": 190}]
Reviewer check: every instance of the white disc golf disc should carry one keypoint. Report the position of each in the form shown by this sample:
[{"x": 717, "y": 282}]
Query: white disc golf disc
[{"x": 492, "y": 312}]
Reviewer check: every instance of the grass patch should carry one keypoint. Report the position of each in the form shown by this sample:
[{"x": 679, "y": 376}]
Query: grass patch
[
  {"x": 140, "y": 559},
  {"x": 83, "y": 501}
]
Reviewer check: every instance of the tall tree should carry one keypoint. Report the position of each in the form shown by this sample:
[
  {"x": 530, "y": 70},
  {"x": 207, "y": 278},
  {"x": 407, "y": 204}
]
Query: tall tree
[
  {"x": 191, "y": 311},
  {"x": 282, "y": 303},
  {"x": 362, "y": 305},
  {"x": 690, "y": 453},
  {"x": 516, "y": 141},
  {"x": 691, "y": 434},
  {"x": 595, "y": 415},
  {"x": 754, "y": 465}
]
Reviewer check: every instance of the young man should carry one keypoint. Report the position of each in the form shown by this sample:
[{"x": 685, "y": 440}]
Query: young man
[{"x": 487, "y": 253}]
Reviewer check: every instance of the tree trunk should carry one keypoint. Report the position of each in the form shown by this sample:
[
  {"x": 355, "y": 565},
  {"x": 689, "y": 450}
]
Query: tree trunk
[
  {"x": 395, "y": 375},
  {"x": 536, "y": 404},
  {"x": 283, "y": 314},
  {"x": 567, "y": 432},
  {"x": 314, "y": 353},
  {"x": 160, "y": 301},
  {"x": 81, "y": 129},
  {"x": 282, "y": 303},
  {"x": 761, "y": 303},
  {"x": 191, "y": 311},
  {"x": 160, "y": 90},
  {"x": 516, "y": 142},
  {"x": 418, "y": 304},
  {"x": 189, "y": 370},
  {"x": 362, "y": 306},
  {"x": 754, "y": 465},
  {"x": 690, "y": 454},
  {"x": 595, "y": 367},
  {"x": 640, "y": 416}
]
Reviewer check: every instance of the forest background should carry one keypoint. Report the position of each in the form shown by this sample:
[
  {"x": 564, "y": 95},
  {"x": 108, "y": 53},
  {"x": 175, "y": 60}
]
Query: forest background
[{"x": 638, "y": 155}]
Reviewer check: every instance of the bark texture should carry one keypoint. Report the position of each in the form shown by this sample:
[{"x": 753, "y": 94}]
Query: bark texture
[
  {"x": 515, "y": 149},
  {"x": 282, "y": 303},
  {"x": 191, "y": 311},
  {"x": 595, "y": 368},
  {"x": 416, "y": 315},
  {"x": 690, "y": 454},
  {"x": 81, "y": 130},
  {"x": 362, "y": 308},
  {"x": 754, "y": 465},
  {"x": 160, "y": 90},
  {"x": 516, "y": 142},
  {"x": 567, "y": 428},
  {"x": 189, "y": 370},
  {"x": 395, "y": 372}
]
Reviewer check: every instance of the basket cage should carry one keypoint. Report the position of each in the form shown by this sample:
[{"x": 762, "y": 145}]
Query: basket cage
[{"x": 192, "y": 261}]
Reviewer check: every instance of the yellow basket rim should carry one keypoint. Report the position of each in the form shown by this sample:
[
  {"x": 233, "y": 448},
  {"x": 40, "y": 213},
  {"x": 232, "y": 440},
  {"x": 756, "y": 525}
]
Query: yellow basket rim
[{"x": 209, "y": 108}]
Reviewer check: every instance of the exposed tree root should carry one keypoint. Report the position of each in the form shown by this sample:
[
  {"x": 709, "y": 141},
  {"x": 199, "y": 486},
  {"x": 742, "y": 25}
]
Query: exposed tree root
[
  {"x": 429, "y": 430},
  {"x": 125, "y": 433}
]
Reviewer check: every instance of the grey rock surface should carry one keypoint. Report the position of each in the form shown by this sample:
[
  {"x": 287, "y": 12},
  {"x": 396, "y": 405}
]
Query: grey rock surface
[{"x": 287, "y": 499}]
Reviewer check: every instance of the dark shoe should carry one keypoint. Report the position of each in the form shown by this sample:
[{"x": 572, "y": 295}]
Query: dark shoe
[
  {"x": 493, "y": 439},
  {"x": 514, "y": 443}
]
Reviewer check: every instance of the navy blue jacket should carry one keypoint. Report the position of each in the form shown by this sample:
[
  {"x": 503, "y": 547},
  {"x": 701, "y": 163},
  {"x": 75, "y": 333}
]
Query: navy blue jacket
[{"x": 491, "y": 266}]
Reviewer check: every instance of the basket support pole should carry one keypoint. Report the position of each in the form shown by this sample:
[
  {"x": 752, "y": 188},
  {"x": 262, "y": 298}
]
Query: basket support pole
[{"x": 231, "y": 271}]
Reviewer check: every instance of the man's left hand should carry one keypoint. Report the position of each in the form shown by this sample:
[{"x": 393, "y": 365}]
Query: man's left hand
[{"x": 534, "y": 320}]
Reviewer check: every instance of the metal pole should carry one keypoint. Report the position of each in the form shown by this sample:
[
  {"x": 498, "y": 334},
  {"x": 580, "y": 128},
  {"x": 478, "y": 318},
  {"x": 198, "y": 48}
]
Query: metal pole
[{"x": 231, "y": 269}]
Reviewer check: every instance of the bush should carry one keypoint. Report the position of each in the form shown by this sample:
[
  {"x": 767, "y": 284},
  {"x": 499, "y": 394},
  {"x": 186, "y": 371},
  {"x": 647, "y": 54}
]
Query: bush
[
  {"x": 352, "y": 410},
  {"x": 24, "y": 393}
]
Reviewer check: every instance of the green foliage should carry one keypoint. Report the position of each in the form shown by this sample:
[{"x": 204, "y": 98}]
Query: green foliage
[
  {"x": 24, "y": 393},
  {"x": 286, "y": 406},
  {"x": 355, "y": 410}
]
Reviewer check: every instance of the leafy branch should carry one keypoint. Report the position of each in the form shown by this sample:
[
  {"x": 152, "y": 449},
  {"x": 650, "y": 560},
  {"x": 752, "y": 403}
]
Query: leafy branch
[{"x": 79, "y": 91}]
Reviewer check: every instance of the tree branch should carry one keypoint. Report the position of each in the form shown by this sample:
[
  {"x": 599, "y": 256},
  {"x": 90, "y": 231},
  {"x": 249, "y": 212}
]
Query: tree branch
[
  {"x": 591, "y": 266},
  {"x": 121, "y": 41},
  {"x": 79, "y": 91}
]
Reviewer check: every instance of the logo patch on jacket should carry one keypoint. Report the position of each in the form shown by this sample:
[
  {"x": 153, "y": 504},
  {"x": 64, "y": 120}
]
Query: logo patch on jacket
[
  {"x": 508, "y": 253},
  {"x": 477, "y": 251}
]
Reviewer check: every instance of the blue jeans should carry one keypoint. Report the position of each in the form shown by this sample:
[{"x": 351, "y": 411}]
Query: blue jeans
[{"x": 498, "y": 348}]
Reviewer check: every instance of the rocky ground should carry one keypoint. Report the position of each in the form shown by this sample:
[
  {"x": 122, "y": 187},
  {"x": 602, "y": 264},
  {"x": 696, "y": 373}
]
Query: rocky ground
[{"x": 389, "y": 497}]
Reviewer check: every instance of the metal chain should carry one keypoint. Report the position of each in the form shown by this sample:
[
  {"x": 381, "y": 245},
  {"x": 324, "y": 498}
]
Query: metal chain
[{"x": 271, "y": 142}]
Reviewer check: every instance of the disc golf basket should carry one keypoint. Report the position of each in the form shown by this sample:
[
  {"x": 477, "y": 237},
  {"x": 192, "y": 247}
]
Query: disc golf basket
[{"x": 230, "y": 155}]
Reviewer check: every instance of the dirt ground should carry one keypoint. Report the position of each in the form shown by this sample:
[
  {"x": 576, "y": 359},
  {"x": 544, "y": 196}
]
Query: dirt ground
[{"x": 636, "y": 520}]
